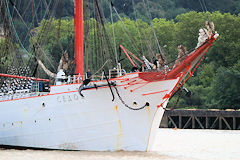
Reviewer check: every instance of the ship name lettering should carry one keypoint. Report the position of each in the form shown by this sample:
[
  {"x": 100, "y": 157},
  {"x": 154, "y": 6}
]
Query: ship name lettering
[
  {"x": 75, "y": 96},
  {"x": 63, "y": 98},
  {"x": 59, "y": 99},
  {"x": 67, "y": 98}
]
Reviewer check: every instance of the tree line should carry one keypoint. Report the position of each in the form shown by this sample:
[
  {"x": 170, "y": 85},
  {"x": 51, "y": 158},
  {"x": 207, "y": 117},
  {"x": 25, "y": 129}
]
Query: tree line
[{"x": 214, "y": 84}]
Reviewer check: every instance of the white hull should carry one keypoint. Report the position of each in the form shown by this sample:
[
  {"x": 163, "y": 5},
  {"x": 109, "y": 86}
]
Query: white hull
[{"x": 65, "y": 120}]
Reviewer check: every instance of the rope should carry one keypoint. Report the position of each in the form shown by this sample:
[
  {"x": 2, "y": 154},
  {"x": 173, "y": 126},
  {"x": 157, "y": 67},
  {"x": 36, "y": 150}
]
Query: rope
[
  {"x": 201, "y": 5},
  {"x": 109, "y": 85},
  {"x": 26, "y": 8},
  {"x": 14, "y": 7},
  {"x": 59, "y": 28},
  {"x": 94, "y": 59},
  {"x": 28, "y": 16},
  {"x": 173, "y": 107},
  {"x": 105, "y": 40},
  {"x": 204, "y": 8},
  {"x": 129, "y": 35},
  {"x": 154, "y": 33},
  {"x": 114, "y": 40},
  {"x": 184, "y": 81},
  {"x": 35, "y": 11},
  {"x": 123, "y": 102},
  {"x": 14, "y": 29},
  {"x": 204, "y": 4},
  {"x": 139, "y": 34},
  {"x": 47, "y": 30},
  {"x": 100, "y": 68},
  {"x": 33, "y": 14},
  {"x": 95, "y": 41}
]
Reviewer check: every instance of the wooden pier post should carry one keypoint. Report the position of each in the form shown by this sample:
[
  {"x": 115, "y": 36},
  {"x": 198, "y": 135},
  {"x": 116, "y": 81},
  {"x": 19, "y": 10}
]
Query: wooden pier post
[
  {"x": 193, "y": 122},
  {"x": 207, "y": 123},
  {"x": 234, "y": 123},
  {"x": 220, "y": 122},
  {"x": 180, "y": 122}
]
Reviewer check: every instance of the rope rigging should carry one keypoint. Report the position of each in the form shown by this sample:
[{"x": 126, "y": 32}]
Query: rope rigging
[
  {"x": 129, "y": 35},
  {"x": 204, "y": 9},
  {"x": 159, "y": 48},
  {"x": 14, "y": 29},
  {"x": 114, "y": 40},
  {"x": 146, "y": 38},
  {"x": 28, "y": 29},
  {"x": 37, "y": 43},
  {"x": 6, "y": 33},
  {"x": 139, "y": 34},
  {"x": 103, "y": 37},
  {"x": 86, "y": 34}
]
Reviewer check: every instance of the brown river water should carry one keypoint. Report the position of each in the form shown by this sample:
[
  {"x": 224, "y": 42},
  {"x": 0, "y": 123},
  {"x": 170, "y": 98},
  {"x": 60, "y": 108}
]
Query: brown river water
[{"x": 169, "y": 145}]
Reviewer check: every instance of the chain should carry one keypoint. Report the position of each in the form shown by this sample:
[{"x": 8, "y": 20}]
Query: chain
[{"x": 135, "y": 109}]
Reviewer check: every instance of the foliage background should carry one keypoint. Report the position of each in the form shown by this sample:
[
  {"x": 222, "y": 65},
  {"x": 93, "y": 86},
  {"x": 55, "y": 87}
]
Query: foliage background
[{"x": 215, "y": 83}]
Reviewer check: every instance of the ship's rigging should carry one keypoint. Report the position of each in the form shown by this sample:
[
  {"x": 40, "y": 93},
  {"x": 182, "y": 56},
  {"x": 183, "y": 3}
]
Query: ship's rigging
[
  {"x": 36, "y": 51},
  {"x": 34, "y": 39}
]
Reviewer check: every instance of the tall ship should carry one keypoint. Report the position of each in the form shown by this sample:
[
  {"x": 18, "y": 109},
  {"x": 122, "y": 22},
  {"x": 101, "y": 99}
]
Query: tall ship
[{"x": 114, "y": 111}]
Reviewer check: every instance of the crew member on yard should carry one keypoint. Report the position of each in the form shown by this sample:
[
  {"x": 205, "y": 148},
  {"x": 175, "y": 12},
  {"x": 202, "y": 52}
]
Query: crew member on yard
[
  {"x": 182, "y": 51},
  {"x": 157, "y": 64},
  {"x": 89, "y": 74}
]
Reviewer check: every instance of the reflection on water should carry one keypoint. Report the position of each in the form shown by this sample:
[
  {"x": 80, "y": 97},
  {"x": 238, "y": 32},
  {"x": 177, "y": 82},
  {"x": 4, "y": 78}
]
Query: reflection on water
[{"x": 169, "y": 145}]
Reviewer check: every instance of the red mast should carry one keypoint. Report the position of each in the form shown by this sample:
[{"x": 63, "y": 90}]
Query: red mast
[{"x": 79, "y": 48}]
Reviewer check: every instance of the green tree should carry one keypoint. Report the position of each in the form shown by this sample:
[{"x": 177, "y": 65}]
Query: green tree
[
  {"x": 225, "y": 93},
  {"x": 226, "y": 50},
  {"x": 207, "y": 74}
]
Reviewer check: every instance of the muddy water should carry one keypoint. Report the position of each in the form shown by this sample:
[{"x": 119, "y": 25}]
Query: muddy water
[{"x": 169, "y": 145}]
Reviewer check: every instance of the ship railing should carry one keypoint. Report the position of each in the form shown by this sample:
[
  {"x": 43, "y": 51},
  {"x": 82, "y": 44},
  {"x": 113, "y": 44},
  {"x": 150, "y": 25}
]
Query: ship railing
[
  {"x": 22, "y": 91},
  {"x": 19, "y": 94},
  {"x": 71, "y": 79},
  {"x": 113, "y": 73}
]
